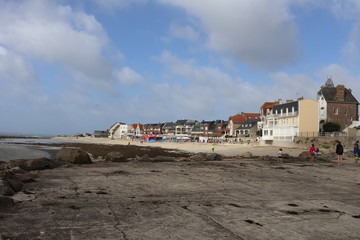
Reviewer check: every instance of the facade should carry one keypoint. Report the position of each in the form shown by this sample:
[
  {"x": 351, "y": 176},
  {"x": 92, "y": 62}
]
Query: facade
[
  {"x": 235, "y": 121},
  {"x": 101, "y": 133},
  {"x": 169, "y": 129},
  {"x": 291, "y": 119},
  {"x": 153, "y": 128},
  {"x": 337, "y": 104},
  {"x": 209, "y": 129},
  {"x": 248, "y": 128},
  {"x": 118, "y": 130},
  {"x": 184, "y": 127},
  {"x": 136, "y": 130}
]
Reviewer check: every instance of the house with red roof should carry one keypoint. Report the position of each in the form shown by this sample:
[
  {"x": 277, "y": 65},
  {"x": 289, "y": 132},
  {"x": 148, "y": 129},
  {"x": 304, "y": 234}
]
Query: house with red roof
[{"x": 235, "y": 121}]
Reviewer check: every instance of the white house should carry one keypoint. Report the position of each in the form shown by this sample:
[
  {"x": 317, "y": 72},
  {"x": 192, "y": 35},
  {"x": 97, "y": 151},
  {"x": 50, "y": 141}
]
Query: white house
[
  {"x": 118, "y": 130},
  {"x": 287, "y": 120}
]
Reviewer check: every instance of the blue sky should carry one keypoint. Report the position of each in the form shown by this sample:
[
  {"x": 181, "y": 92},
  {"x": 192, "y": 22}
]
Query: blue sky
[{"x": 77, "y": 66}]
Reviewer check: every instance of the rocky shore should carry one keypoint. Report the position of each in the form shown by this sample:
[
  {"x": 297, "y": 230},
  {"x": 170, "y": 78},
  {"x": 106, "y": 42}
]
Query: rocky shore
[{"x": 96, "y": 191}]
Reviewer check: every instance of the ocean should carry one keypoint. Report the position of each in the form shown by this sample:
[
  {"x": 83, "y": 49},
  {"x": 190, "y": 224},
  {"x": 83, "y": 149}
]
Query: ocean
[{"x": 9, "y": 149}]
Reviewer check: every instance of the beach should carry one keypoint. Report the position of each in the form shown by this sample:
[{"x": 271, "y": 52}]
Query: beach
[
  {"x": 236, "y": 198},
  {"x": 226, "y": 149}
]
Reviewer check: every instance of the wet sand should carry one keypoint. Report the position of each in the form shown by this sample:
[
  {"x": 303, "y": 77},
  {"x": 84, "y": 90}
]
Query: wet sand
[{"x": 9, "y": 152}]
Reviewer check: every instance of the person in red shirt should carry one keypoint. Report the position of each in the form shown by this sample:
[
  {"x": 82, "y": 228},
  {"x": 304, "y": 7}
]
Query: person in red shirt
[{"x": 312, "y": 153}]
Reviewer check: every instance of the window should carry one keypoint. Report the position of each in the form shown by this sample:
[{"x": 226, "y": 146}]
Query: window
[
  {"x": 266, "y": 132},
  {"x": 345, "y": 111},
  {"x": 271, "y": 132},
  {"x": 336, "y": 111}
]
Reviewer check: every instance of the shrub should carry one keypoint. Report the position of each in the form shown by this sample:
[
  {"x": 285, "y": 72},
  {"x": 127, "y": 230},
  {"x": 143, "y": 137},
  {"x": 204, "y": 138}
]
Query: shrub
[{"x": 331, "y": 127}]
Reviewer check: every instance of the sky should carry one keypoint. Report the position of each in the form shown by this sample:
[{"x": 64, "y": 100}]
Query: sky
[{"x": 76, "y": 66}]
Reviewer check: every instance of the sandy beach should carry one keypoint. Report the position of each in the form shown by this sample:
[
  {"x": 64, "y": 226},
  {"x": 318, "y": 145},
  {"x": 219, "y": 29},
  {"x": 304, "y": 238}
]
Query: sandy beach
[{"x": 226, "y": 149}]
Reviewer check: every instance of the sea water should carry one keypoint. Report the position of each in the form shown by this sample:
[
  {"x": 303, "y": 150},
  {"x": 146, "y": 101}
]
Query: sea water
[{"x": 9, "y": 149}]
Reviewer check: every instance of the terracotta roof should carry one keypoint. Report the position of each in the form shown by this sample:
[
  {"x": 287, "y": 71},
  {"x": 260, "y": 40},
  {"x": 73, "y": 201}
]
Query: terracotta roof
[
  {"x": 268, "y": 105},
  {"x": 238, "y": 118},
  {"x": 252, "y": 115}
]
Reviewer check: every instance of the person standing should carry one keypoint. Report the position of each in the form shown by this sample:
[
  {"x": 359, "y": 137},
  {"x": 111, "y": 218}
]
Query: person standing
[
  {"x": 213, "y": 147},
  {"x": 312, "y": 153},
  {"x": 339, "y": 151},
  {"x": 280, "y": 158},
  {"x": 356, "y": 152}
]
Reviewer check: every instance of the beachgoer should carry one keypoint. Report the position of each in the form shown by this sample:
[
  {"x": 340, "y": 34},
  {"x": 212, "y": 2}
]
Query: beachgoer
[
  {"x": 280, "y": 159},
  {"x": 213, "y": 147},
  {"x": 312, "y": 153},
  {"x": 339, "y": 151},
  {"x": 356, "y": 152}
]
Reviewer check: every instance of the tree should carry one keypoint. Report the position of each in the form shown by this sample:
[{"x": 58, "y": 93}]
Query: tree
[{"x": 331, "y": 127}]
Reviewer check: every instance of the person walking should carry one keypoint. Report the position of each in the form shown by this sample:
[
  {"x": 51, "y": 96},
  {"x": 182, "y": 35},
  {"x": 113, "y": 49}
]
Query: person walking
[
  {"x": 339, "y": 151},
  {"x": 312, "y": 153},
  {"x": 213, "y": 147}
]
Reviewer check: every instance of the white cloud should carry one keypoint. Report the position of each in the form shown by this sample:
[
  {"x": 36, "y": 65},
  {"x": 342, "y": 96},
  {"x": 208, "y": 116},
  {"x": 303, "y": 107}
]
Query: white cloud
[
  {"x": 55, "y": 34},
  {"x": 286, "y": 87},
  {"x": 259, "y": 33},
  {"x": 18, "y": 80},
  {"x": 184, "y": 32},
  {"x": 341, "y": 75},
  {"x": 204, "y": 92},
  {"x": 128, "y": 77}
]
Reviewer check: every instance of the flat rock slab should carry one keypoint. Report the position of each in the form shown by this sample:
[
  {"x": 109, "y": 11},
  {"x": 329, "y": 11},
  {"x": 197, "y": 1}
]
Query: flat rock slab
[{"x": 231, "y": 199}]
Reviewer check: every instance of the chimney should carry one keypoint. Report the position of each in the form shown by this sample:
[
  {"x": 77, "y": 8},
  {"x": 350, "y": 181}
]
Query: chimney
[{"x": 340, "y": 93}]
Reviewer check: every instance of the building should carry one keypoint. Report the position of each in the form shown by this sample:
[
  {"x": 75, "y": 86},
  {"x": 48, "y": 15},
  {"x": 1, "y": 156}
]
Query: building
[
  {"x": 184, "y": 127},
  {"x": 291, "y": 119},
  {"x": 169, "y": 129},
  {"x": 248, "y": 128},
  {"x": 337, "y": 105},
  {"x": 209, "y": 129},
  {"x": 136, "y": 130},
  {"x": 118, "y": 130},
  {"x": 153, "y": 128},
  {"x": 235, "y": 121}
]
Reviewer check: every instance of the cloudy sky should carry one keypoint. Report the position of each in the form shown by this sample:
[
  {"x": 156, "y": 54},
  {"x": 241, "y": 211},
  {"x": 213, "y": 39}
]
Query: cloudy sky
[{"x": 77, "y": 66}]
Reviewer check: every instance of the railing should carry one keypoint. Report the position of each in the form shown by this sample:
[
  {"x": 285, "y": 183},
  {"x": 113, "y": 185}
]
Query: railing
[{"x": 289, "y": 114}]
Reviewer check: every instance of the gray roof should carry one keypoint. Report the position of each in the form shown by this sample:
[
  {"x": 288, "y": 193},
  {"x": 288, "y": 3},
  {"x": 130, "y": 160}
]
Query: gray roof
[
  {"x": 285, "y": 106},
  {"x": 249, "y": 124},
  {"x": 329, "y": 94}
]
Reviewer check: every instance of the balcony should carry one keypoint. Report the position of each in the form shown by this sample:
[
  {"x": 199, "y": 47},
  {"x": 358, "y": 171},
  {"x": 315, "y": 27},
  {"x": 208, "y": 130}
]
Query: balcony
[{"x": 288, "y": 114}]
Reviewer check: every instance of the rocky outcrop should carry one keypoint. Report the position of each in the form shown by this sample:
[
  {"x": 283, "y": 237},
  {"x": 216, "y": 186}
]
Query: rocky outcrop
[
  {"x": 6, "y": 189},
  {"x": 6, "y": 202},
  {"x": 247, "y": 155},
  {"x": 144, "y": 158},
  {"x": 32, "y": 164},
  {"x": 304, "y": 155},
  {"x": 72, "y": 155},
  {"x": 115, "y": 157},
  {"x": 206, "y": 157},
  {"x": 213, "y": 157},
  {"x": 14, "y": 181},
  {"x": 198, "y": 157}
]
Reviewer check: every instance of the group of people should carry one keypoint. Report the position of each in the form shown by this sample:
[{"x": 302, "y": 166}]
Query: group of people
[{"x": 339, "y": 152}]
